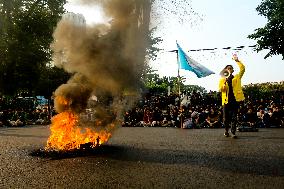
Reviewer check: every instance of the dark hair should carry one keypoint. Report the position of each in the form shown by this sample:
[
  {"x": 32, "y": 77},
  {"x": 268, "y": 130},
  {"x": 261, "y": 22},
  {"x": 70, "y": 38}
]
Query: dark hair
[{"x": 228, "y": 66}]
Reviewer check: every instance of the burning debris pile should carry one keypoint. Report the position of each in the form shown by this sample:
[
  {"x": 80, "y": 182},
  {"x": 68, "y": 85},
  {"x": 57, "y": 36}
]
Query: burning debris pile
[{"x": 107, "y": 62}]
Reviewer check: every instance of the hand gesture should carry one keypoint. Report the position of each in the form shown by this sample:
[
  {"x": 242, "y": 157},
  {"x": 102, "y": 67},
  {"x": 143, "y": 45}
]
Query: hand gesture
[{"x": 235, "y": 57}]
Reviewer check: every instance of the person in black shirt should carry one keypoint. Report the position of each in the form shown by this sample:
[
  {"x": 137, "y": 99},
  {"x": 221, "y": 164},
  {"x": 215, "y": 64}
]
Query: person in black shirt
[{"x": 231, "y": 92}]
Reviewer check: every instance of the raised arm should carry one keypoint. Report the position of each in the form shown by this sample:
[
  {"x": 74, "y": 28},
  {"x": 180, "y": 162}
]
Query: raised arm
[
  {"x": 242, "y": 68},
  {"x": 240, "y": 64}
]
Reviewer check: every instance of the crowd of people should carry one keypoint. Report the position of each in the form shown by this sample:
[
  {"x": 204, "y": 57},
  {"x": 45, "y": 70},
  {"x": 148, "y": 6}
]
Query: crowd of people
[
  {"x": 22, "y": 111},
  {"x": 189, "y": 110},
  {"x": 197, "y": 110}
]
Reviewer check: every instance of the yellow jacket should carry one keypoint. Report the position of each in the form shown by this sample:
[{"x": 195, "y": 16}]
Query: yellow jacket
[{"x": 236, "y": 83}]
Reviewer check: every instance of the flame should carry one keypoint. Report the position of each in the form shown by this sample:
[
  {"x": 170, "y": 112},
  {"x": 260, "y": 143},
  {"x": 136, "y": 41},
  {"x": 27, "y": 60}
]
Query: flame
[{"x": 66, "y": 135}]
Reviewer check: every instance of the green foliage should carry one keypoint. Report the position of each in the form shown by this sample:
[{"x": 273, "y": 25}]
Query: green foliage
[
  {"x": 153, "y": 83},
  {"x": 26, "y": 28},
  {"x": 153, "y": 50},
  {"x": 156, "y": 84},
  {"x": 50, "y": 79},
  {"x": 271, "y": 35},
  {"x": 196, "y": 88},
  {"x": 263, "y": 90}
]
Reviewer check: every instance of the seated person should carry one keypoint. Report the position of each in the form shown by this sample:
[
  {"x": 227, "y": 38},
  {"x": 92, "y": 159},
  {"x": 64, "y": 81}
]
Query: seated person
[
  {"x": 147, "y": 118},
  {"x": 188, "y": 123},
  {"x": 275, "y": 117},
  {"x": 213, "y": 119},
  {"x": 250, "y": 117},
  {"x": 201, "y": 120},
  {"x": 1, "y": 119},
  {"x": 156, "y": 117},
  {"x": 18, "y": 119},
  {"x": 260, "y": 117},
  {"x": 127, "y": 120}
]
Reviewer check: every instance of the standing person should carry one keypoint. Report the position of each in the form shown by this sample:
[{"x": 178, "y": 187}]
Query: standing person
[{"x": 231, "y": 93}]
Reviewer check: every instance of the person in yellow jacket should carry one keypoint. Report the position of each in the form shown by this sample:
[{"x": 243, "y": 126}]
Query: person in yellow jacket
[{"x": 231, "y": 93}]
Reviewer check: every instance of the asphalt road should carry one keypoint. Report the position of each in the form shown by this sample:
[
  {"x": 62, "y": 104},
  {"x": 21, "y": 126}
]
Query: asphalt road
[{"x": 146, "y": 158}]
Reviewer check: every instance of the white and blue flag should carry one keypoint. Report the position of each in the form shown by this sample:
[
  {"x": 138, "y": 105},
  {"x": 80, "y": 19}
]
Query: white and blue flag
[{"x": 187, "y": 63}]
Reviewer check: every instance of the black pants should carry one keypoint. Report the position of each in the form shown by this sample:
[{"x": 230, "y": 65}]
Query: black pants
[{"x": 230, "y": 112}]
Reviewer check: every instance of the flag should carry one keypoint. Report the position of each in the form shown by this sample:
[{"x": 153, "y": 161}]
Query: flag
[{"x": 187, "y": 63}]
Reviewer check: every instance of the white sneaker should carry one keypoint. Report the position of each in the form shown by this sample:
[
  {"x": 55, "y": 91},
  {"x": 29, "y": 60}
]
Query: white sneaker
[
  {"x": 226, "y": 134},
  {"x": 234, "y": 136}
]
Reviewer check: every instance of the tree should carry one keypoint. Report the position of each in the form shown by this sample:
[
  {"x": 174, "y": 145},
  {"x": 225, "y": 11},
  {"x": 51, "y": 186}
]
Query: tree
[
  {"x": 156, "y": 84},
  {"x": 194, "y": 88},
  {"x": 50, "y": 79},
  {"x": 264, "y": 90},
  {"x": 271, "y": 35},
  {"x": 152, "y": 49},
  {"x": 26, "y": 28}
]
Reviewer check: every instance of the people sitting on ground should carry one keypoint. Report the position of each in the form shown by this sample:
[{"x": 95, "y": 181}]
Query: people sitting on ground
[
  {"x": 195, "y": 119},
  {"x": 127, "y": 120},
  {"x": 147, "y": 117},
  {"x": 188, "y": 123},
  {"x": 213, "y": 119},
  {"x": 275, "y": 117},
  {"x": 156, "y": 117},
  {"x": 40, "y": 117},
  {"x": 167, "y": 121},
  {"x": 171, "y": 115},
  {"x": 18, "y": 119},
  {"x": 250, "y": 118},
  {"x": 260, "y": 117},
  {"x": 201, "y": 120},
  {"x": 4, "y": 119}
]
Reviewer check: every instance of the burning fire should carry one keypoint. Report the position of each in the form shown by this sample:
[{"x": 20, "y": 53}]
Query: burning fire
[{"x": 66, "y": 135}]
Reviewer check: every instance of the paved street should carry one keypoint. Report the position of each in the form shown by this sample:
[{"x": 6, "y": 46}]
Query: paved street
[{"x": 146, "y": 158}]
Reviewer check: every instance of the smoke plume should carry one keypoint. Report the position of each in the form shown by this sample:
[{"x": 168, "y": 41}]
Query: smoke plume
[{"x": 106, "y": 60}]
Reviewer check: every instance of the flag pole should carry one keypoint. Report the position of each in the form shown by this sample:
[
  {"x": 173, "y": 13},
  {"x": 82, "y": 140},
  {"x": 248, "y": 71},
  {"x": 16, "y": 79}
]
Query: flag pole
[
  {"x": 179, "y": 93},
  {"x": 178, "y": 83},
  {"x": 178, "y": 76},
  {"x": 187, "y": 63}
]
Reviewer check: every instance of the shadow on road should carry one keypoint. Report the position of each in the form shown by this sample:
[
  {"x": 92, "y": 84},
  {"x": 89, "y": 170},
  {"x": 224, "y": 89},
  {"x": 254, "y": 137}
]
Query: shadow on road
[{"x": 239, "y": 164}]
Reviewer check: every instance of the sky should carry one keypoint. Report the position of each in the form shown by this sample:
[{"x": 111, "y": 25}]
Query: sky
[{"x": 208, "y": 24}]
